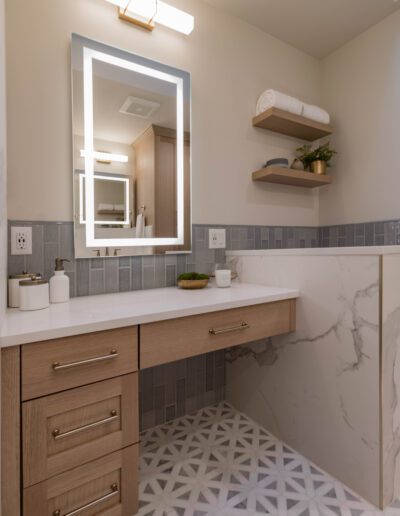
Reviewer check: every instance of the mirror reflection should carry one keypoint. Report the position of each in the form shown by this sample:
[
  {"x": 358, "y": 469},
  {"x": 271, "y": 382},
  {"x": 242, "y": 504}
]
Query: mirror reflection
[{"x": 140, "y": 203}]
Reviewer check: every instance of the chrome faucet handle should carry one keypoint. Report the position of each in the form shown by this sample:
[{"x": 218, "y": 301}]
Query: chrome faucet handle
[{"x": 97, "y": 251}]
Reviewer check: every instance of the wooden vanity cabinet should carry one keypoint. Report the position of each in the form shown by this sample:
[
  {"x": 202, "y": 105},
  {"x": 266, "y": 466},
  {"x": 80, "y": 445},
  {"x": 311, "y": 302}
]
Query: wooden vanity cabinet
[
  {"x": 70, "y": 416},
  {"x": 70, "y": 426}
]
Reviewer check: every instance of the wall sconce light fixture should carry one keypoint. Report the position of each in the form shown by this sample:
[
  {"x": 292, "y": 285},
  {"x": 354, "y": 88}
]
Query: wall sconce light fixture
[{"x": 146, "y": 13}]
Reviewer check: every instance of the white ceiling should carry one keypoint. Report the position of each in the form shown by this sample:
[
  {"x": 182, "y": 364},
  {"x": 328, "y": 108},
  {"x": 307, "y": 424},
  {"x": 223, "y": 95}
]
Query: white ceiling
[{"x": 317, "y": 27}]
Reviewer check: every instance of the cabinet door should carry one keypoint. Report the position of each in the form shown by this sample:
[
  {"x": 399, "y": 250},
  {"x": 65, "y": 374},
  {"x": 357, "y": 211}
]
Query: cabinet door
[
  {"x": 65, "y": 430},
  {"x": 106, "y": 486}
]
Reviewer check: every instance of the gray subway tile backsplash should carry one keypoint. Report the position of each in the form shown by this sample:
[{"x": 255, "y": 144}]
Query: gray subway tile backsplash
[
  {"x": 107, "y": 275},
  {"x": 173, "y": 390}
]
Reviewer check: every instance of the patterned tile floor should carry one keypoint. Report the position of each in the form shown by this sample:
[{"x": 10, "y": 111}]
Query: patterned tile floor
[{"x": 219, "y": 462}]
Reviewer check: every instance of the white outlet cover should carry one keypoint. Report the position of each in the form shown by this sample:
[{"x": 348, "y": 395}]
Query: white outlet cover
[
  {"x": 21, "y": 240},
  {"x": 217, "y": 238}
]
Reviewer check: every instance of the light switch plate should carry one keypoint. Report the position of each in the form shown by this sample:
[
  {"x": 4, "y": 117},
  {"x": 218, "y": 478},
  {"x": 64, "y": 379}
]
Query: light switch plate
[
  {"x": 217, "y": 238},
  {"x": 21, "y": 240}
]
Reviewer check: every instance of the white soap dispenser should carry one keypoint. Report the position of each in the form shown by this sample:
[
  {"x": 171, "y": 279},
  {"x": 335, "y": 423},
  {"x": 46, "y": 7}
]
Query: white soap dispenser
[{"x": 59, "y": 283}]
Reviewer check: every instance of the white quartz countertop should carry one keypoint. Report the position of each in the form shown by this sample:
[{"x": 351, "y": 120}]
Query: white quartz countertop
[
  {"x": 104, "y": 312},
  {"x": 320, "y": 251}
]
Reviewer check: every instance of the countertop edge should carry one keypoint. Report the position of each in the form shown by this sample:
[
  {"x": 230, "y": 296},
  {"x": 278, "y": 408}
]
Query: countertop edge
[{"x": 103, "y": 325}]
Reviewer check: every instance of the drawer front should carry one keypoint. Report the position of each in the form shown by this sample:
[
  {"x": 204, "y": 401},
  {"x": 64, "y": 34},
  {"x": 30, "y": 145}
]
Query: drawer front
[
  {"x": 61, "y": 364},
  {"x": 171, "y": 340},
  {"x": 106, "y": 486},
  {"x": 65, "y": 430}
]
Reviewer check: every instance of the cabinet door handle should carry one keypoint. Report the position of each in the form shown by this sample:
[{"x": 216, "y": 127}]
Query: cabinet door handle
[
  {"x": 114, "y": 492},
  {"x": 59, "y": 367},
  {"x": 60, "y": 435},
  {"x": 240, "y": 327}
]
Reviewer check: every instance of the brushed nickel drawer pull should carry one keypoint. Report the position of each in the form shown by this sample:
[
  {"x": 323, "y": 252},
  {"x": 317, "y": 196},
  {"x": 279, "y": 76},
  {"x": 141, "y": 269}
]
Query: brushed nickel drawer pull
[
  {"x": 114, "y": 492},
  {"x": 242, "y": 326},
  {"x": 59, "y": 367},
  {"x": 60, "y": 435}
]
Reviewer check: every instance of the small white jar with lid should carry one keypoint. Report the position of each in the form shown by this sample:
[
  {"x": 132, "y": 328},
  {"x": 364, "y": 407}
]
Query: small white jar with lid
[
  {"x": 34, "y": 294},
  {"x": 13, "y": 286}
]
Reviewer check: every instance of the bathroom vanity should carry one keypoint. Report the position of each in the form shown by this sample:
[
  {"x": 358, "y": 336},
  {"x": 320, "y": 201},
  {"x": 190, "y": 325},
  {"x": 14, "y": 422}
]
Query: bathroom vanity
[{"x": 70, "y": 418}]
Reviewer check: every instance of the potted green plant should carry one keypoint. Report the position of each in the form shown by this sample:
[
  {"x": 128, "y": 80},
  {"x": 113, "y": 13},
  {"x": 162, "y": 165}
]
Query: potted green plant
[
  {"x": 193, "y": 280},
  {"x": 316, "y": 160}
]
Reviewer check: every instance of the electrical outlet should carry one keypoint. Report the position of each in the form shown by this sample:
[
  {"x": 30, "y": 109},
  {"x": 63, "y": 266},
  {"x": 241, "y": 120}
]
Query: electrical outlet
[
  {"x": 21, "y": 240},
  {"x": 217, "y": 238}
]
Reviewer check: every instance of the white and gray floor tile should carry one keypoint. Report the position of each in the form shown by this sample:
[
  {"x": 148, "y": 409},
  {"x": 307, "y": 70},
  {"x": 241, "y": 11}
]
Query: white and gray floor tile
[{"x": 219, "y": 462}]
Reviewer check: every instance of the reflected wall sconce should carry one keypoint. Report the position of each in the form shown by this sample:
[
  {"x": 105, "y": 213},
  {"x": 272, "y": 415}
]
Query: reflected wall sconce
[
  {"x": 147, "y": 13},
  {"x": 106, "y": 157}
]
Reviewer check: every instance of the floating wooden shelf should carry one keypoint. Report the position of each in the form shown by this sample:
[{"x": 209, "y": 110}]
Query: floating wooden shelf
[
  {"x": 289, "y": 176},
  {"x": 291, "y": 125}
]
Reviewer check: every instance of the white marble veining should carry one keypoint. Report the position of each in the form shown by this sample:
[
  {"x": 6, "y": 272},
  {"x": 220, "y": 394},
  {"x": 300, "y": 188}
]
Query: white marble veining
[
  {"x": 318, "y": 388},
  {"x": 95, "y": 313}
]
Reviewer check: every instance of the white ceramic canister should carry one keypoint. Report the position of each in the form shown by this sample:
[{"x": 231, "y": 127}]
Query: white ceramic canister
[
  {"x": 34, "y": 294},
  {"x": 13, "y": 287},
  {"x": 223, "y": 278}
]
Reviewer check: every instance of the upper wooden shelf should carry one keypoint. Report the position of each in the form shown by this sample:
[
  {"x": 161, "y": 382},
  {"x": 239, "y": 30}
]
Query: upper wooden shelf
[
  {"x": 289, "y": 176},
  {"x": 291, "y": 125}
]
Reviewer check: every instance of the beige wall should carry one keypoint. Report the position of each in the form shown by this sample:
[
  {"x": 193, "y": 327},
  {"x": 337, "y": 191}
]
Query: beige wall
[
  {"x": 361, "y": 89},
  {"x": 3, "y": 212},
  {"x": 230, "y": 62}
]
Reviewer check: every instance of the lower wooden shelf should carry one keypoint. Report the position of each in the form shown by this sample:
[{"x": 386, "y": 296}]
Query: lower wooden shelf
[{"x": 288, "y": 176}]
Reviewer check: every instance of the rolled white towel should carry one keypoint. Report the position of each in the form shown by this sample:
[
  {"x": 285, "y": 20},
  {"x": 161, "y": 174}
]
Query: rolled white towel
[
  {"x": 104, "y": 206},
  {"x": 119, "y": 207},
  {"x": 140, "y": 224},
  {"x": 316, "y": 113},
  {"x": 273, "y": 98}
]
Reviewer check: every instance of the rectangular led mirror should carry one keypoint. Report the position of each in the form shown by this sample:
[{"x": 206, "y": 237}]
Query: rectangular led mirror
[{"x": 131, "y": 153}]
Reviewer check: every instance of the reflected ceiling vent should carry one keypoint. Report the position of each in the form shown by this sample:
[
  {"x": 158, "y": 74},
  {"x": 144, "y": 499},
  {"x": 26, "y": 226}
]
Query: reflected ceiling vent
[{"x": 142, "y": 108}]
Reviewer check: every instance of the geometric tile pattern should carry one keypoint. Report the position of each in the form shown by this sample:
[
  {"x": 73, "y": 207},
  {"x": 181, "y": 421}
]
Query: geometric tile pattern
[{"x": 219, "y": 462}]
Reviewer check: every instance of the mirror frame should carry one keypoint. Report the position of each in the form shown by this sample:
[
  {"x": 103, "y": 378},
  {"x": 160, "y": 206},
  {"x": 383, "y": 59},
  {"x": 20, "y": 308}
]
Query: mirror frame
[{"x": 181, "y": 80}]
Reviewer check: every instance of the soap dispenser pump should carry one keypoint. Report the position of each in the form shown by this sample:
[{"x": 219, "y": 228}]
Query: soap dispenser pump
[{"x": 59, "y": 283}]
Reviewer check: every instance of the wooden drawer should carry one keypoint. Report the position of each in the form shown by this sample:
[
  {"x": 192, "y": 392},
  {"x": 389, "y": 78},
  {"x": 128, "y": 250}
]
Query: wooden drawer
[
  {"x": 171, "y": 340},
  {"x": 61, "y": 364},
  {"x": 109, "y": 485},
  {"x": 65, "y": 430}
]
